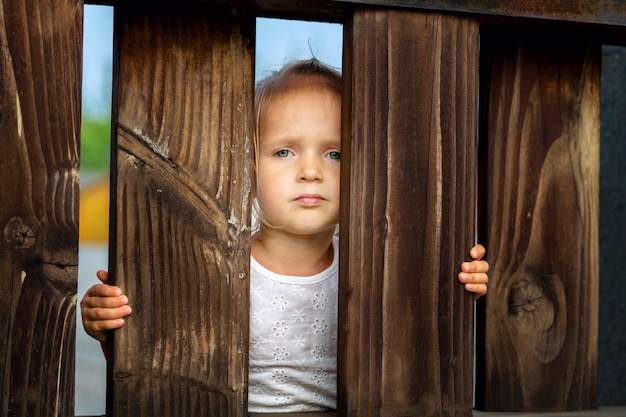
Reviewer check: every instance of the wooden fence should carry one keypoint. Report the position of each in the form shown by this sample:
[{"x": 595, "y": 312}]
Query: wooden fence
[{"x": 429, "y": 161}]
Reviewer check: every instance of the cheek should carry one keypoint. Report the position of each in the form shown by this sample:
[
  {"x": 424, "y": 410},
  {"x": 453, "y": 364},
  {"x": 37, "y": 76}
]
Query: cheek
[
  {"x": 336, "y": 179},
  {"x": 268, "y": 193},
  {"x": 263, "y": 184}
]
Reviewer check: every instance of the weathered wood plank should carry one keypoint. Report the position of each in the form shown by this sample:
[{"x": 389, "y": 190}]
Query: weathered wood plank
[
  {"x": 182, "y": 206},
  {"x": 40, "y": 76},
  {"x": 541, "y": 184},
  {"x": 408, "y": 214},
  {"x": 608, "y": 13}
]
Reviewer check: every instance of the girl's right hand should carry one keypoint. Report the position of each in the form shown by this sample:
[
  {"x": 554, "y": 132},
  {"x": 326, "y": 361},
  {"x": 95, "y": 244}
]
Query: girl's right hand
[{"x": 103, "y": 308}]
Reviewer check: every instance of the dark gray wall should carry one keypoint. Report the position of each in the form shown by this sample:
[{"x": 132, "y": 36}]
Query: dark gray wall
[{"x": 612, "y": 336}]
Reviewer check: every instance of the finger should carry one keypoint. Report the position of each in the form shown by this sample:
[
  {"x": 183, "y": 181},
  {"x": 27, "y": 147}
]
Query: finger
[
  {"x": 97, "y": 321},
  {"x": 474, "y": 278},
  {"x": 477, "y": 252},
  {"x": 104, "y": 314},
  {"x": 99, "y": 326},
  {"x": 103, "y": 276},
  {"x": 478, "y": 289},
  {"x": 475, "y": 266},
  {"x": 103, "y": 296},
  {"x": 104, "y": 290},
  {"x": 103, "y": 302}
]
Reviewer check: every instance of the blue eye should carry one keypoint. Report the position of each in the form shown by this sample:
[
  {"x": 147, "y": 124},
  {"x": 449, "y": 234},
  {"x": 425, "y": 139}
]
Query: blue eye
[
  {"x": 334, "y": 155},
  {"x": 283, "y": 153}
]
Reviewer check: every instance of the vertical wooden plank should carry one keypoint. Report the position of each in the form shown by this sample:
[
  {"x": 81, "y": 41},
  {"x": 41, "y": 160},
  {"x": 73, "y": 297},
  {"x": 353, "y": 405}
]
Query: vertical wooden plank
[
  {"x": 40, "y": 70},
  {"x": 541, "y": 220},
  {"x": 184, "y": 134},
  {"x": 408, "y": 214}
]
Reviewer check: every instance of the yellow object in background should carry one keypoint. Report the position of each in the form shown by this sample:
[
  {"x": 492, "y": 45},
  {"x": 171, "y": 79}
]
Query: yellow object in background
[{"x": 94, "y": 212}]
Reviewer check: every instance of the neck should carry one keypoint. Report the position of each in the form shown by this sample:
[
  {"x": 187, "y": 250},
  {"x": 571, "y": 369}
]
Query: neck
[{"x": 289, "y": 254}]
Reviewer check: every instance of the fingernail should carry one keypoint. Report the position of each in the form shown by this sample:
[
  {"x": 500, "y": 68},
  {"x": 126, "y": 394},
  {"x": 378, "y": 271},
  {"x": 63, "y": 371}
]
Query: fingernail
[
  {"x": 124, "y": 300},
  {"x": 126, "y": 311},
  {"x": 118, "y": 292}
]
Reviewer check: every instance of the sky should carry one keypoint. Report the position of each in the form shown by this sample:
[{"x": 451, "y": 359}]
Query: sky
[
  {"x": 97, "y": 59},
  {"x": 278, "y": 42}
]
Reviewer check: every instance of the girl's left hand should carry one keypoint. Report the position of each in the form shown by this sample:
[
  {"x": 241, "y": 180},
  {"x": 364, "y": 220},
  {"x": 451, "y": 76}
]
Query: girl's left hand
[{"x": 474, "y": 273}]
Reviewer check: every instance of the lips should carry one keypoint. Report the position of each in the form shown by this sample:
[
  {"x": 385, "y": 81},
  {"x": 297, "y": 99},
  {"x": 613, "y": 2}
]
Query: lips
[{"x": 310, "y": 199}]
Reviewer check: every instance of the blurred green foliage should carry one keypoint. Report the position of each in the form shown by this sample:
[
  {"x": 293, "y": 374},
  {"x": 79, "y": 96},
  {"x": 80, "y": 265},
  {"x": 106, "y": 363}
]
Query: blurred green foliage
[{"x": 95, "y": 143}]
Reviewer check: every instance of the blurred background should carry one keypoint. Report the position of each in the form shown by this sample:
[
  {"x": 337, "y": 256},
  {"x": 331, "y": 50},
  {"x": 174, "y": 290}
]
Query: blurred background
[
  {"x": 94, "y": 201},
  {"x": 278, "y": 41}
]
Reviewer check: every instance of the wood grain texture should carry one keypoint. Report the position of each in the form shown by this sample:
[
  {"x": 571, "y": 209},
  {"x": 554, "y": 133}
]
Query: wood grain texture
[
  {"x": 541, "y": 131},
  {"x": 608, "y": 16},
  {"x": 40, "y": 76},
  {"x": 408, "y": 215},
  {"x": 182, "y": 206}
]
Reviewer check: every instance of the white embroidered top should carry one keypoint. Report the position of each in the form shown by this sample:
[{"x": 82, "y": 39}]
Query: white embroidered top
[{"x": 293, "y": 340}]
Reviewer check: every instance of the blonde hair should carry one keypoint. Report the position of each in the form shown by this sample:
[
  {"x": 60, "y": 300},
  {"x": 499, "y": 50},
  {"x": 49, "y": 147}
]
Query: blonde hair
[{"x": 309, "y": 73}]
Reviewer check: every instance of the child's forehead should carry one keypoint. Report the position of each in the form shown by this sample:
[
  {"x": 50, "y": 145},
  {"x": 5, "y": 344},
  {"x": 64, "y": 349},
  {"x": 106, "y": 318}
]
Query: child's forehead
[
  {"x": 295, "y": 82},
  {"x": 301, "y": 99},
  {"x": 314, "y": 111},
  {"x": 304, "y": 92}
]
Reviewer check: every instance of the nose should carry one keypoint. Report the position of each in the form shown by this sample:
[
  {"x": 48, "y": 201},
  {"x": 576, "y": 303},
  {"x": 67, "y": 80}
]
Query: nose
[{"x": 310, "y": 169}]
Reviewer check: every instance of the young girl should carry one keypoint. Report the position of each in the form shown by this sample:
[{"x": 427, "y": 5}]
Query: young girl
[{"x": 294, "y": 264}]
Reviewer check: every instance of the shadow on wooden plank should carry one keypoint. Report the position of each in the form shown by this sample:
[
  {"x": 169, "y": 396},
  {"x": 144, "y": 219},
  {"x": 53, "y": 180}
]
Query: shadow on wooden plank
[{"x": 612, "y": 411}]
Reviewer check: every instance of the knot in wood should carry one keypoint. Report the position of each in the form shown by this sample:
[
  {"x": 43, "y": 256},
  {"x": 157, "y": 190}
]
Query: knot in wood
[
  {"x": 19, "y": 234},
  {"x": 537, "y": 306},
  {"x": 530, "y": 306}
]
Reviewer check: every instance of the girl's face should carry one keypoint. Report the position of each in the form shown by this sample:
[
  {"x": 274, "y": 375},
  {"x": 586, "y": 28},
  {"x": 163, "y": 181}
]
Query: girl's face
[{"x": 299, "y": 161}]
